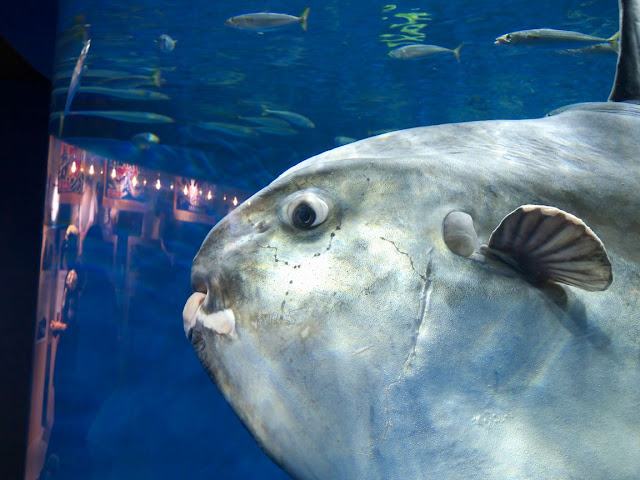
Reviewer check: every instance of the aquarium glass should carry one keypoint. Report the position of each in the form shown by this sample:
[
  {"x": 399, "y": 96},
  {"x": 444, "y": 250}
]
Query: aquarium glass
[{"x": 172, "y": 119}]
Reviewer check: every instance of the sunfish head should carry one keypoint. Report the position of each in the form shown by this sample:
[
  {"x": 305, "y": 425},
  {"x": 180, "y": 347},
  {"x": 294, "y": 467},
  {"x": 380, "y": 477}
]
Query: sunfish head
[{"x": 334, "y": 316}]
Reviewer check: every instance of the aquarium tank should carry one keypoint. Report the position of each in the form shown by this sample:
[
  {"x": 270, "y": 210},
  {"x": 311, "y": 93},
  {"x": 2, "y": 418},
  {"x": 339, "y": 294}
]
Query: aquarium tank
[{"x": 166, "y": 117}]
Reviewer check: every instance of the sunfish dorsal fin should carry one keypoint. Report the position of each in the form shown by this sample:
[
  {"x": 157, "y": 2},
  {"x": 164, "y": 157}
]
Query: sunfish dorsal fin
[
  {"x": 626, "y": 86},
  {"x": 545, "y": 244}
]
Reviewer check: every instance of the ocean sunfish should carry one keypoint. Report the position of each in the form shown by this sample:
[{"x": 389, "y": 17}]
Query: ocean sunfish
[{"x": 453, "y": 301}]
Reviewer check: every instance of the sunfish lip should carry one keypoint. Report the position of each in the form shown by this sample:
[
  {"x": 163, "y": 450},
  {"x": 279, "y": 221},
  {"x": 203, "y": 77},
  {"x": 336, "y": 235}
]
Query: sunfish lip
[
  {"x": 190, "y": 310},
  {"x": 222, "y": 322}
]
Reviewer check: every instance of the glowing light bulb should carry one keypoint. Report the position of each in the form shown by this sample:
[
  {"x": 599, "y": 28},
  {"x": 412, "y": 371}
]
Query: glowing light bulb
[
  {"x": 74, "y": 167},
  {"x": 171, "y": 187},
  {"x": 186, "y": 190},
  {"x": 235, "y": 202},
  {"x": 144, "y": 182},
  {"x": 101, "y": 172},
  {"x": 224, "y": 197},
  {"x": 113, "y": 172},
  {"x": 209, "y": 195},
  {"x": 134, "y": 181},
  {"x": 158, "y": 185}
]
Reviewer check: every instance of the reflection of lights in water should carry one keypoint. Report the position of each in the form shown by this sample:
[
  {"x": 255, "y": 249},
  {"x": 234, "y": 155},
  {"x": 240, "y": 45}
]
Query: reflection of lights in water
[
  {"x": 235, "y": 202},
  {"x": 74, "y": 167},
  {"x": 200, "y": 192},
  {"x": 158, "y": 185},
  {"x": 55, "y": 204},
  {"x": 134, "y": 181},
  {"x": 224, "y": 197},
  {"x": 209, "y": 195},
  {"x": 101, "y": 172},
  {"x": 91, "y": 170},
  {"x": 171, "y": 187},
  {"x": 145, "y": 182},
  {"x": 186, "y": 190},
  {"x": 113, "y": 172}
]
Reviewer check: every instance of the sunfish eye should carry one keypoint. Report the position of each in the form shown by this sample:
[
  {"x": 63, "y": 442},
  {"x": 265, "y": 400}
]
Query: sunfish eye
[
  {"x": 303, "y": 216},
  {"x": 508, "y": 37},
  {"x": 307, "y": 211}
]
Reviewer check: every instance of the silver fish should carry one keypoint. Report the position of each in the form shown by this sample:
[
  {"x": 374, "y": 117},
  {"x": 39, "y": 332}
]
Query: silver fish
[
  {"x": 166, "y": 43},
  {"x": 411, "y": 52},
  {"x": 95, "y": 73},
  {"x": 291, "y": 117},
  {"x": 266, "y": 121},
  {"x": 154, "y": 80},
  {"x": 128, "y": 93},
  {"x": 551, "y": 38},
  {"x": 266, "y": 21},
  {"x": 145, "y": 140},
  {"x": 592, "y": 50},
  {"x": 123, "y": 116},
  {"x": 75, "y": 82},
  {"x": 275, "y": 130},
  {"x": 228, "y": 128},
  {"x": 342, "y": 140},
  {"x": 455, "y": 301}
]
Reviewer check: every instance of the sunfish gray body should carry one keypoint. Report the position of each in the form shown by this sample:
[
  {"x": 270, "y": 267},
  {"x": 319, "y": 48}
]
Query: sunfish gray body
[{"x": 360, "y": 330}]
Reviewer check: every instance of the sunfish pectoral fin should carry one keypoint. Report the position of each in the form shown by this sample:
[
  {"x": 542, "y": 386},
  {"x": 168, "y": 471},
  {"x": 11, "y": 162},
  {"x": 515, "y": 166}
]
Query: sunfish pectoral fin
[{"x": 545, "y": 244}]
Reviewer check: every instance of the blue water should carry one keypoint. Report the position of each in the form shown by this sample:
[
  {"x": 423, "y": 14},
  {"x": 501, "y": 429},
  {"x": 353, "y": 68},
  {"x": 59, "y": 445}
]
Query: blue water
[{"x": 159, "y": 415}]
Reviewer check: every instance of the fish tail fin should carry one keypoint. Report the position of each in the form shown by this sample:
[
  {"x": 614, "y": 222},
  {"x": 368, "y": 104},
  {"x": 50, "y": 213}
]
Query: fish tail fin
[
  {"x": 156, "y": 78},
  {"x": 303, "y": 18},
  {"x": 265, "y": 110},
  {"x": 614, "y": 38},
  {"x": 456, "y": 51}
]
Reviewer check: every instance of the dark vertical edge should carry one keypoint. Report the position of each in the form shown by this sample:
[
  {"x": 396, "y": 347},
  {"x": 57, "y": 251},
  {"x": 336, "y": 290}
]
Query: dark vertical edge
[
  {"x": 24, "y": 111},
  {"x": 626, "y": 86}
]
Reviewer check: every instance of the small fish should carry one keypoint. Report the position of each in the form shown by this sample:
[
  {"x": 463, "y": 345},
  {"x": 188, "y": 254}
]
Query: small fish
[
  {"x": 154, "y": 80},
  {"x": 291, "y": 117},
  {"x": 266, "y": 21},
  {"x": 410, "y": 52},
  {"x": 276, "y": 130},
  {"x": 145, "y": 140},
  {"x": 123, "y": 116},
  {"x": 166, "y": 43},
  {"x": 94, "y": 72},
  {"x": 128, "y": 93},
  {"x": 341, "y": 140},
  {"x": 382, "y": 131},
  {"x": 75, "y": 82},
  {"x": 612, "y": 48},
  {"x": 551, "y": 38},
  {"x": 266, "y": 121},
  {"x": 229, "y": 128}
]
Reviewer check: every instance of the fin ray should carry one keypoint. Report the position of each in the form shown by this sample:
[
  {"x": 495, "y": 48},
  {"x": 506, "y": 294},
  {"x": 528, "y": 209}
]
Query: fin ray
[{"x": 545, "y": 244}]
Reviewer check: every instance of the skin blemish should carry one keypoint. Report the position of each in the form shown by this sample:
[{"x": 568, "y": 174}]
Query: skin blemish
[{"x": 305, "y": 333}]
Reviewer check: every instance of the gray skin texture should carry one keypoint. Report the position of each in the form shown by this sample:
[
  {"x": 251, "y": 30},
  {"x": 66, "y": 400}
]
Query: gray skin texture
[{"x": 365, "y": 348}]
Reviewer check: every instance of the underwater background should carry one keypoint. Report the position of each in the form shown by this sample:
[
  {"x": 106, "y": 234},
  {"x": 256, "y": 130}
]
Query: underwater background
[{"x": 176, "y": 119}]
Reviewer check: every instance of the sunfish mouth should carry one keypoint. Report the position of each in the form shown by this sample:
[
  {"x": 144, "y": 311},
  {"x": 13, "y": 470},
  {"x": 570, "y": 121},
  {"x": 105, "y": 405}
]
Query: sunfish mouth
[{"x": 222, "y": 322}]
